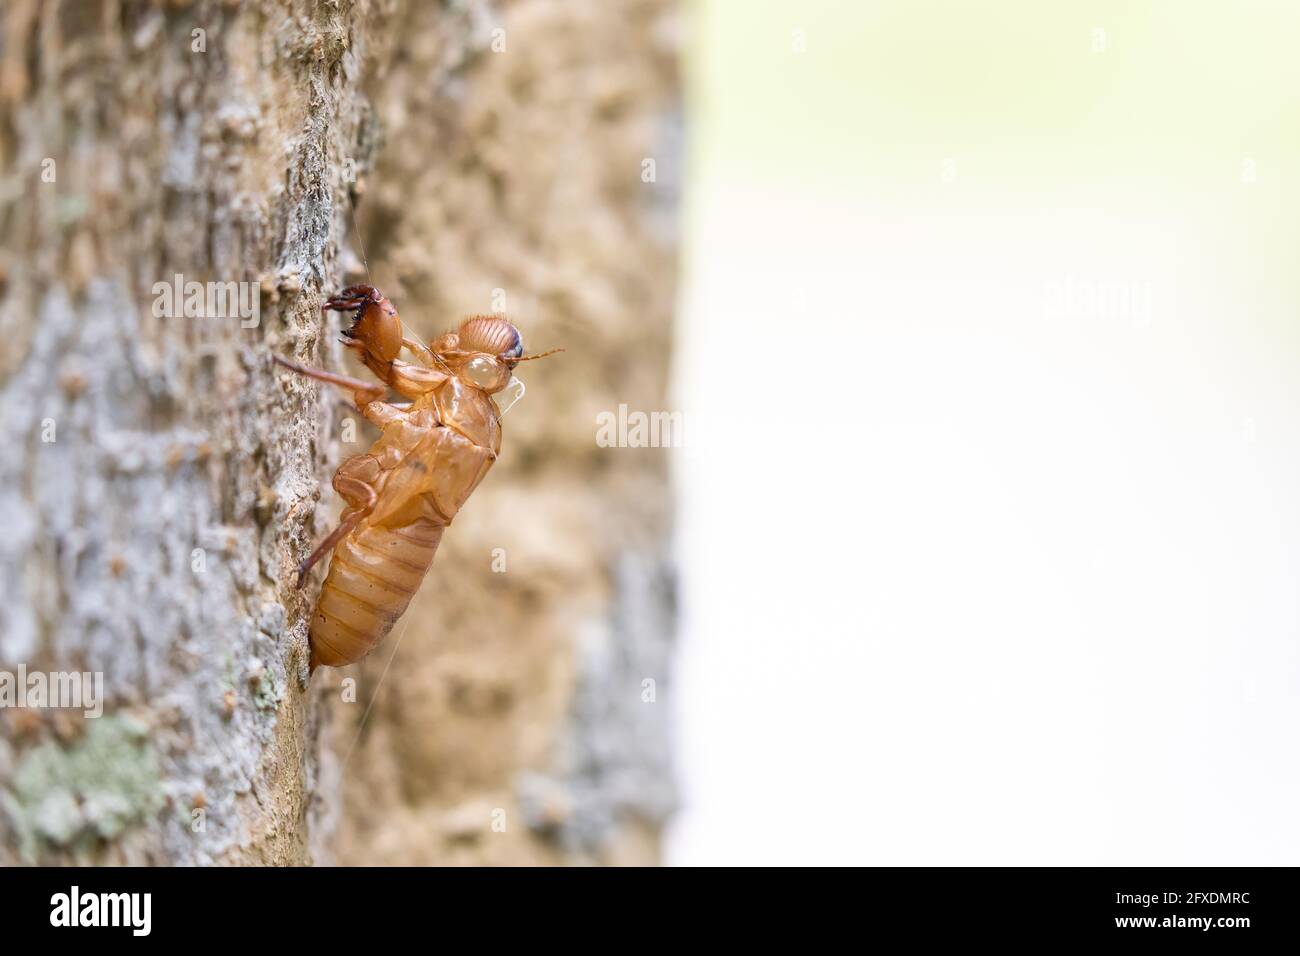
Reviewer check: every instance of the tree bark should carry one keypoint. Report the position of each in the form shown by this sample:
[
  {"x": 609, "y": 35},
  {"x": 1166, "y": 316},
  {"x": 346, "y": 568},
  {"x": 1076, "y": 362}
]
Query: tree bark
[{"x": 161, "y": 478}]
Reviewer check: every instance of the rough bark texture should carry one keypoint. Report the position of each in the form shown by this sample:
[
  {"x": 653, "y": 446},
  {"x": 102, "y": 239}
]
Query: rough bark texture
[{"x": 498, "y": 154}]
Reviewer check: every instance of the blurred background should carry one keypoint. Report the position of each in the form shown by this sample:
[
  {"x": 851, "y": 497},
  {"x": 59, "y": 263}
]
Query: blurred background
[
  {"x": 917, "y": 487},
  {"x": 992, "y": 555}
]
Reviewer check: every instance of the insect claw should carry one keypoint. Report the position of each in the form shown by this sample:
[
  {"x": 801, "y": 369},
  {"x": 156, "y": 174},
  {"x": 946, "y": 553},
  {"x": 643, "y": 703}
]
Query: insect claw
[
  {"x": 343, "y": 303},
  {"x": 361, "y": 292},
  {"x": 352, "y": 298}
]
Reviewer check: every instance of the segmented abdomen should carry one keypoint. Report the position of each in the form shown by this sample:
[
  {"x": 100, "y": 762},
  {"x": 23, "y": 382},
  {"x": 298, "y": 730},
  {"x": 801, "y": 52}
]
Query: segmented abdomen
[{"x": 373, "y": 574}]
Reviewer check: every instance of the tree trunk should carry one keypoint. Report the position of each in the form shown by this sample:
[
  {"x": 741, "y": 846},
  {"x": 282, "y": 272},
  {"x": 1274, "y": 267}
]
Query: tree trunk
[{"x": 162, "y": 478}]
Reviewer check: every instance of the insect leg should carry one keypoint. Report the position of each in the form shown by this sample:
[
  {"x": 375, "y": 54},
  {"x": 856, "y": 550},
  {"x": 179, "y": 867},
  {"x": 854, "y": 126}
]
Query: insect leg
[
  {"x": 364, "y": 392},
  {"x": 421, "y": 351},
  {"x": 325, "y": 547},
  {"x": 412, "y": 381},
  {"x": 353, "y": 483},
  {"x": 382, "y": 413},
  {"x": 352, "y": 298}
]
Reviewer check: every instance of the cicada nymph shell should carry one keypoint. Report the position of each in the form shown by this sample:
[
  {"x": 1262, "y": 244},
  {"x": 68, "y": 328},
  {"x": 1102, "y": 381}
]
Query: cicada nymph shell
[{"x": 403, "y": 492}]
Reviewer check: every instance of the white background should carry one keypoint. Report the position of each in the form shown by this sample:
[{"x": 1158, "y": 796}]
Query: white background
[{"x": 978, "y": 569}]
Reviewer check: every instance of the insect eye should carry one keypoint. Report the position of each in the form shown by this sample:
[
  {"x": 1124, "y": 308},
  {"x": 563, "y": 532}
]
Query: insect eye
[
  {"x": 482, "y": 372},
  {"x": 517, "y": 349}
]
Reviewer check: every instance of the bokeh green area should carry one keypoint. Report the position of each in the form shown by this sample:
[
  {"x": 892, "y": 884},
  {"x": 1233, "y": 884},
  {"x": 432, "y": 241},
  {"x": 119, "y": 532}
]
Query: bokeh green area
[
  {"x": 1175, "y": 125},
  {"x": 1029, "y": 92},
  {"x": 1154, "y": 106}
]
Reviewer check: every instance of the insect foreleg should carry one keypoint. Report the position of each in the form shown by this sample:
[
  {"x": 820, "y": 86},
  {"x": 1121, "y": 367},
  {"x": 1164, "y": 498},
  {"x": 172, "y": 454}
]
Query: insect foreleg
[{"x": 363, "y": 392}]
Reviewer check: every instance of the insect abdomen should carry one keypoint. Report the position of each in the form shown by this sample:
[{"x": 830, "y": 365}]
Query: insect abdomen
[{"x": 373, "y": 574}]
